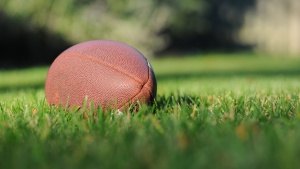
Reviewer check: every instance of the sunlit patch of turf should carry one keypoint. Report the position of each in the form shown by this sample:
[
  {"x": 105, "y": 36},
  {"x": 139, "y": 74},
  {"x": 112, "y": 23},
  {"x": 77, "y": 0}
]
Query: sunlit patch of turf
[{"x": 225, "y": 119}]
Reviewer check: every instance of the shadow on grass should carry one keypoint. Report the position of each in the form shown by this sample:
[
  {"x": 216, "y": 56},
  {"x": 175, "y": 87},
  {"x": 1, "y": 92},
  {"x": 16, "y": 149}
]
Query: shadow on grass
[{"x": 225, "y": 74}]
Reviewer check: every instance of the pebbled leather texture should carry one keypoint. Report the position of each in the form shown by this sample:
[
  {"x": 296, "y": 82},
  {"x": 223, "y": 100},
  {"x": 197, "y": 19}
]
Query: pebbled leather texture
[{"x": 108, "y": 73}]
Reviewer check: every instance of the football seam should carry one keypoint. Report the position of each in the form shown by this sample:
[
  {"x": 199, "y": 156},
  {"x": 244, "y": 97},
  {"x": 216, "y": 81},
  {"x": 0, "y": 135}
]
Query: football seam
[
  {"x": 105, "y": 64},
  {"x": 136, "y": 94}
]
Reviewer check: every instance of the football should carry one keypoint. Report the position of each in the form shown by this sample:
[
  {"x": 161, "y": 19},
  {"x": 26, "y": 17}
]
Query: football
[{"x": 104, "y": 73}]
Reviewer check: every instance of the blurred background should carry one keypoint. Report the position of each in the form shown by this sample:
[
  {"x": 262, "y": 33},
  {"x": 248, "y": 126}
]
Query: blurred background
[{"x": 34, "y": 32}]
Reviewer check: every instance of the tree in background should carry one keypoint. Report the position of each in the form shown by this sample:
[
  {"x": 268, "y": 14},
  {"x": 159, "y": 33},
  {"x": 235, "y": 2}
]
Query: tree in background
[
  {"x": 151, "y": 25},
  {"x": 131, "y": 21},
  {"x": 207, "y": 24}
]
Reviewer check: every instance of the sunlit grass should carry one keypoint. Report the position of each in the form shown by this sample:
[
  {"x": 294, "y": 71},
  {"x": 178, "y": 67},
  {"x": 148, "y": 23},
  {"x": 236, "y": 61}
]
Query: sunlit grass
[
  {"x": 22, "y": 78},
  {"x": 219, "y": 63},
  {"x": 218, "y": 112}
]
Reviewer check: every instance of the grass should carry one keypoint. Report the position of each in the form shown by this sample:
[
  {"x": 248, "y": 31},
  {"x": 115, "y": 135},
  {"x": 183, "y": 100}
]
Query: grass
[{"x": 212, "y": 111}]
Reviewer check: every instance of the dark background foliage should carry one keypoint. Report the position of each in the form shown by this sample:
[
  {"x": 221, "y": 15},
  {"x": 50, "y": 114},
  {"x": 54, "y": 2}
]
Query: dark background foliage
[
  {"x": 34, "y": 33},
  {"x": 24, "y": 45}
]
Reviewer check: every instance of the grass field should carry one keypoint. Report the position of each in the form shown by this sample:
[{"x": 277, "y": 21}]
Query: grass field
[{"x": 212, "y": 111}]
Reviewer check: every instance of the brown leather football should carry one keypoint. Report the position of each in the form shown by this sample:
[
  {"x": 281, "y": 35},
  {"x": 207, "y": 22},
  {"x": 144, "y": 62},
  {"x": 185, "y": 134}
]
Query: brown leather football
[{"x": 108, "y": 73}]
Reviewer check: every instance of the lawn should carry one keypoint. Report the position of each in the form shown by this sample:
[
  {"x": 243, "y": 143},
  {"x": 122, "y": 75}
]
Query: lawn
[{"x": 212, "y": 111}]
